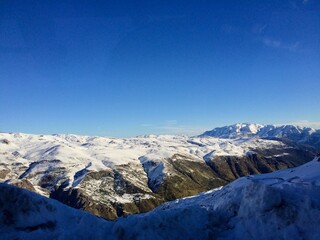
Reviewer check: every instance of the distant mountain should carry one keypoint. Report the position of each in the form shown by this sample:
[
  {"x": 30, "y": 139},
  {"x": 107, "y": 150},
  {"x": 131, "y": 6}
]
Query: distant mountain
[
  {"x": 238, "y": 130},
  {"x": 113, "y": 177},
  {"x": 296, "y": 134},
  {"x": 279, "y": 205}
]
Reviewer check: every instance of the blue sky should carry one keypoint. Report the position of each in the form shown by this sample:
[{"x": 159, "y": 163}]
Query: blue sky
[{"x": 179, "y": 67}]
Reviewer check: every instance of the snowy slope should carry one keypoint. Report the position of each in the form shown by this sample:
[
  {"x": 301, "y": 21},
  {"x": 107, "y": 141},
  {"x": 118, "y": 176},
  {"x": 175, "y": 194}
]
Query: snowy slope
[
  {"x": 26, "y": 215},
  {"x": 76, "y": 153},
  {"x": 280, "y": 205}
]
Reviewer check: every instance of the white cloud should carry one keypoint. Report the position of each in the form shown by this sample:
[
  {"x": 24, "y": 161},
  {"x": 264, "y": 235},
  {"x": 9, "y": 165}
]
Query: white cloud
[
  {"x": 273, "y": 43},
  {"x": 171, "y": 122},
  {"x": 182, "y": 130},
  {"x": 146, "y": 125}
]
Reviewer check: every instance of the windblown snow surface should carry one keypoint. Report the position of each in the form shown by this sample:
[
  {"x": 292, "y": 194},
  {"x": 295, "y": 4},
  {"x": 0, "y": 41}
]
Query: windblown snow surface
[{"x": 279, "y": 205}]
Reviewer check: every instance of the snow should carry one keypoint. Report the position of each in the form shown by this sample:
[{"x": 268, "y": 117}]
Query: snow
[
  {"x": 235, "y": 131},
  {"x": 279, "y": 205},
  {"x": 308, "y": 173},
  {"x": 266, "y": 206},
  {"x": 35, "y": 155},
  {"x": 245, "y": 130},
  {"x": 278, "y": 155},
  {"x": 154, "y": 170},
  {"x": 26, "y": 215}
]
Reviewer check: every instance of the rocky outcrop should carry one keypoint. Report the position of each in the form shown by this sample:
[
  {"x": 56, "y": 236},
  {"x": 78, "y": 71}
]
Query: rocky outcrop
[
  {"x": 25, "y": 184},
  {"x": 4, "y": 173}
]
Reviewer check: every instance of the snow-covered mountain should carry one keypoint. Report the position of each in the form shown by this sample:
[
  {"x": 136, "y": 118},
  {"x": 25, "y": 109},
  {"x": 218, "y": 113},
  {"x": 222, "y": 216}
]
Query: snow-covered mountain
[
  {"x": 111, "y": 177},
  {"x": 238, "y": 130},
  {"x": 302, "y": 135},
  {"x": 279, "y": 205}
]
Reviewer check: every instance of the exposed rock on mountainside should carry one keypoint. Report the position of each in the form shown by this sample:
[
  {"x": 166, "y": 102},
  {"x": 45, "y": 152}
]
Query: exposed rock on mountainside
[
  {"x": 111, "y": 193},
  {"x": 230, "y": 168},
  {"x": 113, "y": 177}
]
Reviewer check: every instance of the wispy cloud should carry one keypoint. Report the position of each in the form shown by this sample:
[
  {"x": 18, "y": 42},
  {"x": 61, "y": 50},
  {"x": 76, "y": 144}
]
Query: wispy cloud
[
  {"x": 259, "y": 28},
  {"x": 271, "y": 43},
  {"x": 182, "y": 130},
  {"x": 173, "y": 127},
  {"x": 146, "y": 125},
  {"x": 298, "y": 4},
  {"x": 274, "y": 43},
  {"x": 171, "y": 122}
]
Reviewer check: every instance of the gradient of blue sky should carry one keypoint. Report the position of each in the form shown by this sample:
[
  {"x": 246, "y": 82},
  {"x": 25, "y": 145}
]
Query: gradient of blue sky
[{"x": 138, "y": 67}]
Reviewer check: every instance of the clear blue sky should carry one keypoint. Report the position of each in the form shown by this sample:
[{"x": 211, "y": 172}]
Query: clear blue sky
[{"x": 139, "y": 67}]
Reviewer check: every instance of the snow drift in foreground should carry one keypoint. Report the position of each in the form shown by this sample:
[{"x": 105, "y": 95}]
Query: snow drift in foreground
[{"x": 279, "y": 205}]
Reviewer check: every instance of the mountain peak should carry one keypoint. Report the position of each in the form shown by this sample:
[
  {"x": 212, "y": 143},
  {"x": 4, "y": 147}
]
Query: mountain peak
[
  {"x": 235, "y": 131},
  {"x": 247, "y": 130},
  {"x": 248, "y": 127}
]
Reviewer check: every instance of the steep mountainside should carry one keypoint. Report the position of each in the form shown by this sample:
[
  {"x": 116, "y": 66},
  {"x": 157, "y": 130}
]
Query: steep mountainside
[
  {"x": 112, "y": 177},
  {"x": 279, "y": 205}
]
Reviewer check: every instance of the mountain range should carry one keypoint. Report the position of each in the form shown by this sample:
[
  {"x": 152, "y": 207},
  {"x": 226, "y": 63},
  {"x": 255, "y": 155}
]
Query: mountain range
[
  {"x": 295, "y": 134},
  {"x": 114, "y": 177}
]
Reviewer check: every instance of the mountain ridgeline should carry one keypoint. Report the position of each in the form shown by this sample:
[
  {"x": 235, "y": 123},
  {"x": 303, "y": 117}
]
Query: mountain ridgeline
[
  {"x": 112, "y": 177},
  {"x": 307, "y": 137}
]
